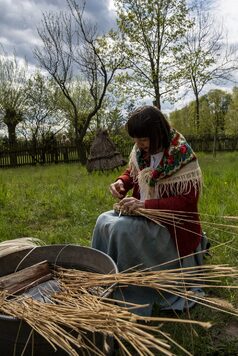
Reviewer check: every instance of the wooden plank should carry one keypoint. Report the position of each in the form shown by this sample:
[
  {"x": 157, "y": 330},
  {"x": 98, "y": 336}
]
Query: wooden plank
[{"x": 26, "y": 278}]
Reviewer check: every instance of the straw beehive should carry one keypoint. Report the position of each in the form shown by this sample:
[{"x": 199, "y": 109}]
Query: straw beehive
[{"x": 103, "y": 154}]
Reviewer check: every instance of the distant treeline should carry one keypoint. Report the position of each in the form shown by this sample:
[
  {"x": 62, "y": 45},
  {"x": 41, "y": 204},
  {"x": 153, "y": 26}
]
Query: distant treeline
[{"x": 217, "y": 116}]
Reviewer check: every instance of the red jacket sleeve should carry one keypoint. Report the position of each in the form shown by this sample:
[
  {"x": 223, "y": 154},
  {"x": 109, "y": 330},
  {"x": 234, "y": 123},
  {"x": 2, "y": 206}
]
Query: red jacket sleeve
[
  {"x": 127, "y": 180},
  {"x": 187, "y": 202}
]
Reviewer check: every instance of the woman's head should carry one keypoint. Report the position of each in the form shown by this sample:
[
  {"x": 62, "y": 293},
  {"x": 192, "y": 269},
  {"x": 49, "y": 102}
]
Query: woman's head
[{"x": 149, "y": 122}]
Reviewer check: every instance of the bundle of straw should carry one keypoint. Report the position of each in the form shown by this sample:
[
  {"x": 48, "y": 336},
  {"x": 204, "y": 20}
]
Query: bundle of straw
[
  {"x": 175, "y": 217},
  {"x": 178, "y": 219}
]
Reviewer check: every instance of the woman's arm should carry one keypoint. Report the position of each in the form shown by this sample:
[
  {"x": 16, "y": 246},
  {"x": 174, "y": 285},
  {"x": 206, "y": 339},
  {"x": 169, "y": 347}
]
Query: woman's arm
[
  {"x": 122, "y": 185},
  {"x": 127, "y": 180}
]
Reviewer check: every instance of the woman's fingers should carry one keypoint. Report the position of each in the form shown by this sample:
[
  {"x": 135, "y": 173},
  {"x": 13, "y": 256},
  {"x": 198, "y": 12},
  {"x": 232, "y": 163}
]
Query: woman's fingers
[
  {"x": 130, "y": 203},
  {"x": 117, "y": 189}
]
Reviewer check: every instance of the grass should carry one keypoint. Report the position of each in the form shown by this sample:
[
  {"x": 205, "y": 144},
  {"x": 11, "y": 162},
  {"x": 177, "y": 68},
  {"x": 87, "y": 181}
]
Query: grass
[
  {"x": 219, "y": 198},
  {"x": 60, "y": 204},
  {"x": 57, "y": 203}
]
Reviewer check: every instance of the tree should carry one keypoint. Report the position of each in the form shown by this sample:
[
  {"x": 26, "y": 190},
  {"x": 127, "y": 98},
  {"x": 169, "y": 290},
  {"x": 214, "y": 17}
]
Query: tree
[
  {"x": 218, "y": 102},
  {"x": 214, "y": 109},
  {"x": 13, "y": 96},
  {"x": 205, "y": 57},
  {"x": 182, "y": 119},
  {"x": 151, "y": 30},
  {"x": 43, "y": 114},
  {"x": 231, "y": 123},
  {"x": 83, "y": 104},
  {"x": 72, "y": 47}
]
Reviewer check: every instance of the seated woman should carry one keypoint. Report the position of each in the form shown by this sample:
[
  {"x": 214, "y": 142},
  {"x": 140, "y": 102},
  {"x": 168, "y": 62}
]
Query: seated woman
[{"x": 164, "y": 174}]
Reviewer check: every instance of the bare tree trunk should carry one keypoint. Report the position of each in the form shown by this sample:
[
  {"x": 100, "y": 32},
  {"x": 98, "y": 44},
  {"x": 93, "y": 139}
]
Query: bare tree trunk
[
  {"x": 214, "y": 144},
  {"x": 157, "y": 101},
  {"x": 197, "y": 112},
  {"x": 11, "y": 126}
]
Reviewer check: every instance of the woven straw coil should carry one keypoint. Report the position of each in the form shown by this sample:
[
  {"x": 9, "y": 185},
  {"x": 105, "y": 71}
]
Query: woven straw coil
[{"x": 119, "y": 210}]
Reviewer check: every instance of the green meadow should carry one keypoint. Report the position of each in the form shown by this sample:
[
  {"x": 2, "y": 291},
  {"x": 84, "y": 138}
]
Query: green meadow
[{"x": 60, "y": 204}]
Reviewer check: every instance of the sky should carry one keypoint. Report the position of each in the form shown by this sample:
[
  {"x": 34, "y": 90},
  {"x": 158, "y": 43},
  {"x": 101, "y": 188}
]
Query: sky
[{"x": 19, "y": 20}]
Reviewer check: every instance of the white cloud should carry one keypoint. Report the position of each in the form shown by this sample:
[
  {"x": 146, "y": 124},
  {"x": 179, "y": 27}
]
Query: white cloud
[
  {"x": 227, "y": 11},
  {"x": 111, "y": 6}
]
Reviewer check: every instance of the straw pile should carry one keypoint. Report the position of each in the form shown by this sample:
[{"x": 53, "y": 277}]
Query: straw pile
[
  {"x": 82, "y": 312},
  {"x": 76, "y": 309}
]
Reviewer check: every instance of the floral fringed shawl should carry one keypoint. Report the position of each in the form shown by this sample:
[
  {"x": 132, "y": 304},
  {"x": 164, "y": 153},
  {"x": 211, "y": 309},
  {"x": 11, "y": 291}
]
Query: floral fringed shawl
[{"x": 177, "y": 172}]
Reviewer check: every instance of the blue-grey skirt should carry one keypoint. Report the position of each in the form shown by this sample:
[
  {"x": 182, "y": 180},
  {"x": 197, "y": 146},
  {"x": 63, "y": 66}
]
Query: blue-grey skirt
[{"x": 136, "y": 242}]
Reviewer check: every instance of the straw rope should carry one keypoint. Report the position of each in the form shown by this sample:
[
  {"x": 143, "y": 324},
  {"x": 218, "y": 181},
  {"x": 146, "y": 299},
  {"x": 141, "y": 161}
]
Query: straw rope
[{"x": 23, "y": 243}]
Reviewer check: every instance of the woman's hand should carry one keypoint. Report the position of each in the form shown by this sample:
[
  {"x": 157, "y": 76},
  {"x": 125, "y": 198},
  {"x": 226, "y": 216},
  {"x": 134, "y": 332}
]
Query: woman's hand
[
  {"x": 130, "y": 204},
  {"x": 117, "y": 189}
]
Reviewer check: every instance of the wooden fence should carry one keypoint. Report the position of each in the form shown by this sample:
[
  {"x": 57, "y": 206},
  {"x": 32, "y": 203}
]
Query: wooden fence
[
  {"x": 25, "y": 154},
  {"x": 22, "y": 155},
  {"x": 213, "y": 144}
]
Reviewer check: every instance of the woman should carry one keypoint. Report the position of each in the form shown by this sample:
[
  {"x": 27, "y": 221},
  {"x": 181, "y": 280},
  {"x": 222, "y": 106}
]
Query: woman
[{"x": 164, "y": 173}]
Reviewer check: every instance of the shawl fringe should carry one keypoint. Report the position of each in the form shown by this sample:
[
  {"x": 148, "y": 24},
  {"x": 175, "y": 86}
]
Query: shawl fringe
[{"x": 181, "y": 182}]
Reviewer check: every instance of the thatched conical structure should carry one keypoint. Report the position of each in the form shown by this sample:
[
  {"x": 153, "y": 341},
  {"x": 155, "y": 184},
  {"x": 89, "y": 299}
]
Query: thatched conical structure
[{"x": 103, "y": 154}]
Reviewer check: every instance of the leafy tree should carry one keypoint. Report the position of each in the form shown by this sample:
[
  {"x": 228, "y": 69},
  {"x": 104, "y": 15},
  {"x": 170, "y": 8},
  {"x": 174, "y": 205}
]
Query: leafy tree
[
  {"x": 182, "y": 119},
  {"x": 42, "y": 114},
  {"x": 13, "y": 95},
  {"x": 151, "y": 31},
  {"x": 214, "y": 110},
  {"x": 231, "y": 124},
  {"x": 218, "y": 102}
]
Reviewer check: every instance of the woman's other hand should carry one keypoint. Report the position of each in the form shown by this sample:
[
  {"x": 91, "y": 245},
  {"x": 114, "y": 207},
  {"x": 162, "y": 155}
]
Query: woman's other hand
[
  {"x": 117, "y": 189},
  {"x": 130, "y": 204}
]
